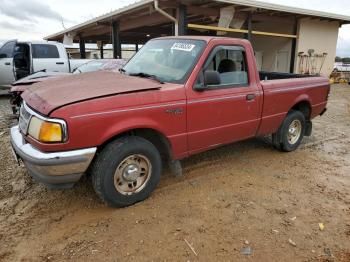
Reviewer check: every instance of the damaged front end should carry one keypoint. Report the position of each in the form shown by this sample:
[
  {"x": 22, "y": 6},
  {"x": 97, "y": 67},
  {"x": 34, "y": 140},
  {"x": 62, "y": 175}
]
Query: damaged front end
[{"x": 15, "y": 102}]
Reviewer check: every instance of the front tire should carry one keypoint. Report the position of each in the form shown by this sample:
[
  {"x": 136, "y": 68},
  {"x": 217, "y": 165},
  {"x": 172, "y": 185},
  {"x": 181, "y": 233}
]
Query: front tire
[
  {"x": 126, "y": 171},
  {"x": 291, "y": 132}
]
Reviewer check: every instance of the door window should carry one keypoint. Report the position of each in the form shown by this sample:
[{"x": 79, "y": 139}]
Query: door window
[
  {"x": 7, "y": 50},
  {"x": 231, "y": 65},
  {"x": 45, "y": 51}
]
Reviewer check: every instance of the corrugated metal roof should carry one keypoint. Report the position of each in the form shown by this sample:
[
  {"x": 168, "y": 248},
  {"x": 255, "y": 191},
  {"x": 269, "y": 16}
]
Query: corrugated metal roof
[
  {"x": 102, "y": 17},
  {"x": 248, "y": 3},
  {"x": 288, "y": 9}
]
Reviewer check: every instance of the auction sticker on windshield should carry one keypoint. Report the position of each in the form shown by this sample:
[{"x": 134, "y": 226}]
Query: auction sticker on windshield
[{"x": 183, "y": 47}]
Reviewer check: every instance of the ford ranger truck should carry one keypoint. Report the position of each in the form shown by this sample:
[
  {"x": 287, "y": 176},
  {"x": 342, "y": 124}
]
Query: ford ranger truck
[{"x": 176, "y": 97}]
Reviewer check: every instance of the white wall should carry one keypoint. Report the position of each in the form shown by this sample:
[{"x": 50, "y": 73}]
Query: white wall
[
  {"x": 269, "y": 46},
  {"x": 322, "y": 37},
  {"x": 312, "y": 34}
]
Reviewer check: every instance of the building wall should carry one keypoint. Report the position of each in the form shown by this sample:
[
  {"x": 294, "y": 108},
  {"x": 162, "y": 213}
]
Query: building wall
[
  {"x": 127, "y": 54},
  {"x": 269, "y": 46},
  {"x": 312, "y": 34},
  {"x": 322, "y": 37}
]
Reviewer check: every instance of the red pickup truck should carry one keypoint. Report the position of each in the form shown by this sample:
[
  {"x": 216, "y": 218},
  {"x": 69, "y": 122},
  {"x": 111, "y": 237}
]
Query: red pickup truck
[{"x": 176, "y": 97}]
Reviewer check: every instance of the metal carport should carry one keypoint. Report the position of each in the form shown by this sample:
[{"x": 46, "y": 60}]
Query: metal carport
[{"x": 137, "y": 23}]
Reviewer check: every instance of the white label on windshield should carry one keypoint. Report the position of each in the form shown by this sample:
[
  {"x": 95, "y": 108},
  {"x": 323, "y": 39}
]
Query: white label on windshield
[{"x": 183, "y": 47}]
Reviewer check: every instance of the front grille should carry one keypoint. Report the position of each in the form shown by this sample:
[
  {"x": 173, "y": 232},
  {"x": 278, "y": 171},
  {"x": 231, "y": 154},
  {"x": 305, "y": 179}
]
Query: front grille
[{"x": 24, "y": 118}]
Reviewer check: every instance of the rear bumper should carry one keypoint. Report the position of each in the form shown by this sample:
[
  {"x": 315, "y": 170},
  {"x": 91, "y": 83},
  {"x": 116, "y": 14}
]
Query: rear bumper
[{"x": 57, "y": 169}]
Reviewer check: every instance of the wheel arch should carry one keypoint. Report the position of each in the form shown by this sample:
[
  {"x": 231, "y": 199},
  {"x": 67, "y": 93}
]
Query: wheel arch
[
  {"x": 304, "y": 106},
  {"x": 157, "y": 138}
]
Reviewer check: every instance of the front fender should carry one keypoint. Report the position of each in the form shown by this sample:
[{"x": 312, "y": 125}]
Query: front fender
[{"x": 125, "y": 125}]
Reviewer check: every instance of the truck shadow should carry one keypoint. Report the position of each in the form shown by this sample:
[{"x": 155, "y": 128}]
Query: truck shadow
[
  {"x": 219, "y": 160},
  {"x": 194, "y": 166}
]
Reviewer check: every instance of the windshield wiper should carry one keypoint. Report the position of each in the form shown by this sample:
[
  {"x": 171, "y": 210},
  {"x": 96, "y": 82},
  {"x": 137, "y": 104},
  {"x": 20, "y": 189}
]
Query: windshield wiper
[
  {"x": 122, "y": 70},
  {"x": 145, "y": 75}
]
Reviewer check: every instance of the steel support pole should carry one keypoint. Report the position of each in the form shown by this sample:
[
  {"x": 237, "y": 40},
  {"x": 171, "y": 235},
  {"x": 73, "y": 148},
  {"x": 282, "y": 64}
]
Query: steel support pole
[
  {"x": 248, "y": 36},
  {"x": 182, "y": 18},
  {"x": 101, "y": 50},
  {"x": 116, "y": 41},
  {"x": 294, "y": 47},
  {"x": 82, "y": 48}
]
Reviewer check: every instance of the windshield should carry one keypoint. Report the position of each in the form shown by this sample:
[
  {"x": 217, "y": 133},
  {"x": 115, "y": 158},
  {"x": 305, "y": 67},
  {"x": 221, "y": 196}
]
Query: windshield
[{"x": 169, "y": 60}]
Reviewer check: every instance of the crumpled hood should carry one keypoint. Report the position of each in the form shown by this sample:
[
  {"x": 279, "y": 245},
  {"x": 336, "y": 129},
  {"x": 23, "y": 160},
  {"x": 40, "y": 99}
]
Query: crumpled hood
[
  {"x": 41, "y": 76},
  {"x": 46, "y": 96}
]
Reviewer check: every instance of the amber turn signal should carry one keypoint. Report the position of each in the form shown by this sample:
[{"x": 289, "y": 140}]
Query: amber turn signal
[
  {"x": 50, "y": 132},
  {"x": 45, "y": 131}
]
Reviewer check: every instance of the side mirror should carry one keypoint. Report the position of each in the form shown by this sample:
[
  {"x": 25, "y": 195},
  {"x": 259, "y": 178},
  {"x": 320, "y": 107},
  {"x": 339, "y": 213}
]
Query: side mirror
[
  {"x": 3, "y": 56},
  {"x": 211, "y": 78}
]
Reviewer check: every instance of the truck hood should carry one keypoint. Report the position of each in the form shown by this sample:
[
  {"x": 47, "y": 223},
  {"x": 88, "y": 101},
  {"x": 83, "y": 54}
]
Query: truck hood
[
  {"x": 46, "y": 96},
  {"x": 24, "y": 83}
]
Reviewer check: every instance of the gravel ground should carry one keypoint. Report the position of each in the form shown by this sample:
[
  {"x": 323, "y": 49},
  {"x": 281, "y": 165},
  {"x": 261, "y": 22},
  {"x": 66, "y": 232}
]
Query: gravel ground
[{"x": 241, "y": 202}]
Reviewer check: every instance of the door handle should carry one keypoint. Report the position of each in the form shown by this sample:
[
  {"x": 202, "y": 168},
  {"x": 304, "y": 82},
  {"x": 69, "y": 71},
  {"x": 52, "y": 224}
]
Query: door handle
[
  {"x": 7, "y": 63},
  {"x": 59, "y": 63},
  {"x": 250, "y": 97}
]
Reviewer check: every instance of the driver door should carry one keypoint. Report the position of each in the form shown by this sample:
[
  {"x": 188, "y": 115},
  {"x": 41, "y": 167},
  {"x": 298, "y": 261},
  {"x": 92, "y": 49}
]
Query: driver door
[
  {"x": 7, "y": 76},
  {"x": 227, "y": 111}
]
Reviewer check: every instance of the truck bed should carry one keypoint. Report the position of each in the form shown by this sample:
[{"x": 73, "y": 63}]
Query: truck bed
[
  {"x": 283, "y": 90},
  {"x": 265, "y": 75}
]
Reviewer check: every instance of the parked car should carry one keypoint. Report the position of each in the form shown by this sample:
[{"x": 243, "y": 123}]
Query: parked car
[
  {"x": 95, "y": 65},
  {"x": 100, "y": 64},
  {"x": 20, "y": 59},
  {"x": 176, "y": 97}
]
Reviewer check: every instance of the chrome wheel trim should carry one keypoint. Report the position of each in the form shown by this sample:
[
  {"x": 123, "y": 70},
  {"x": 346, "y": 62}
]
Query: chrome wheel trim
[
  {"x": 294, "y": 131},
  {"x": 132, "y": 174}
]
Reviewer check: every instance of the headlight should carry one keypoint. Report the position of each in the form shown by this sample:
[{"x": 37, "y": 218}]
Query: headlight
[{"x": 46, "y": 131}]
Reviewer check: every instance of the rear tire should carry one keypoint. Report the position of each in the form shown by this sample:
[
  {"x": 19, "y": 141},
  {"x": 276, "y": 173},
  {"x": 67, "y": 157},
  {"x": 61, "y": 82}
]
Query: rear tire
[
  {"x": 291, "y": 132},
  {"x": 126, "y": 171}
]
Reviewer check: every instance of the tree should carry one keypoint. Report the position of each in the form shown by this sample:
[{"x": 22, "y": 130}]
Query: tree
[
  {"x": 346, "y": 60},
  {"x": 338, "y": 59}
]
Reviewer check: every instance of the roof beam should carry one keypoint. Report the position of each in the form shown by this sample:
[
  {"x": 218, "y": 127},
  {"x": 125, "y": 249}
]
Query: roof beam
[
  {"x": 286, "y": 9},
  {"x": 96, "y": 31},
  {"x": 148, "y": 20},
  {"x": 196, "y": 10},
  {"x": 124, "y": 40},
  {"x": 126, "y": 25},
  {"x": 268, "y": 18},
  {"x": 244, "y": 31}
]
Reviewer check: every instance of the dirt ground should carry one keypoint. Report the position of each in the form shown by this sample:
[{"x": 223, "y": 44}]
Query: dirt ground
[{"x": 242, "y": 198}]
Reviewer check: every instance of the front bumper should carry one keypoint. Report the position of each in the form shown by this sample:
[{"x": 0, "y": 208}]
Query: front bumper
[{"x": 57, "y": 169}]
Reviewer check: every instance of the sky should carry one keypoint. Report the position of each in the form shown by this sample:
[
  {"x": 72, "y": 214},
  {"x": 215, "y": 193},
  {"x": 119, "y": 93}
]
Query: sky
[{"x": 35, "y": 19}]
